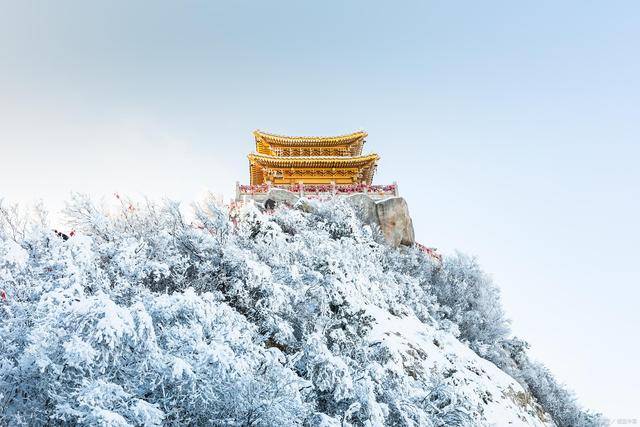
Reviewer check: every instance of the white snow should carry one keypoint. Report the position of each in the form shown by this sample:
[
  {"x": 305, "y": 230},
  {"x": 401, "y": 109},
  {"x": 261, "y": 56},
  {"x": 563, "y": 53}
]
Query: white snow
[
  {"x": 497, "y": 398},
  {"x": 13, "y": 253}
]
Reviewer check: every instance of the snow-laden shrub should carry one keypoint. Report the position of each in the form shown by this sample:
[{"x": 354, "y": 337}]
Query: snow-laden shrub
[
  {"x": 145, "y": 317},
  {"x": 468, "y": 298}
]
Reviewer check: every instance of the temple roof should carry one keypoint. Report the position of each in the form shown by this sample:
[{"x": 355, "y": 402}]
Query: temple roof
[
  {"x": 335, "y": 160},
  {"x": 309, "y": 140},
  {"x": 312, "y": 169},
  {"x": 266, "y": 141},
  {"x": 313, "y": 161}
]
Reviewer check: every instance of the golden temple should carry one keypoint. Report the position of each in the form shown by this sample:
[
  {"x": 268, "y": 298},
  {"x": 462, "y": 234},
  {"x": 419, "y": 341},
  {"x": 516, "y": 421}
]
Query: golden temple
[{"x": 286, "y": 160}]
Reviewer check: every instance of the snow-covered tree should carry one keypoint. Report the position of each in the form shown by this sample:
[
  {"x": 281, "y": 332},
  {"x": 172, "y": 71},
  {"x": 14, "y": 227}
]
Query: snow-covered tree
[{"x": 237, "y": 316}]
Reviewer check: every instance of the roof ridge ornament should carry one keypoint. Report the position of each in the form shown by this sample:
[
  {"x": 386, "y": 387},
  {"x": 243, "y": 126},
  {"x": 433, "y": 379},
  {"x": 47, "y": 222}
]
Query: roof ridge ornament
[{"x": 321, "y": 140}]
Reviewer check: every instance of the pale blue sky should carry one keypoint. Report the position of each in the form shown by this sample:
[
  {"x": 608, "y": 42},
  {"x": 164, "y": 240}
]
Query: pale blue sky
[{"x": 512, "y": 129}]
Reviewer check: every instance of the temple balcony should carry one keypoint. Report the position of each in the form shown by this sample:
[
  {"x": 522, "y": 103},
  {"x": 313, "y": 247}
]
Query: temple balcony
[{"x": 259, "y": 192}]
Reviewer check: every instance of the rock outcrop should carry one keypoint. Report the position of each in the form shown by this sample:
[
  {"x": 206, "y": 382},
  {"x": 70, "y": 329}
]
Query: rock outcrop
[
  {"x": 365, "y": 208},
  {"x": 395, "y": 221},
  {"x": 278, "y": 196},
  {"x": 391, "y": 215}
]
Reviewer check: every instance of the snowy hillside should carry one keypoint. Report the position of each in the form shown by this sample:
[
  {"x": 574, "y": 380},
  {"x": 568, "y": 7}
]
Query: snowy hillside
[{"x": 302, "y": 316}]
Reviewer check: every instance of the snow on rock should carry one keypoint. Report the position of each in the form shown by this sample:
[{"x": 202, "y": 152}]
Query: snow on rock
[{"x": 493, "y": 397}]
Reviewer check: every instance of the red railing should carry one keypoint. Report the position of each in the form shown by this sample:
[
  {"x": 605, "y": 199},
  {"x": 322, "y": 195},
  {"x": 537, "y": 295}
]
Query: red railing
[
  {"x": 432, "y": 252},
  {"x": 311, "y": 189}
]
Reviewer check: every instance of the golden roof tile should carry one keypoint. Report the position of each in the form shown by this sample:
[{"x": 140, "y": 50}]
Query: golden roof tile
[{"x": 309, "y": 141}]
